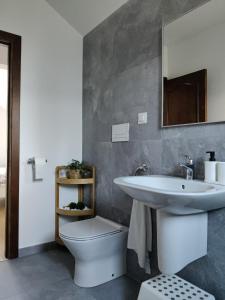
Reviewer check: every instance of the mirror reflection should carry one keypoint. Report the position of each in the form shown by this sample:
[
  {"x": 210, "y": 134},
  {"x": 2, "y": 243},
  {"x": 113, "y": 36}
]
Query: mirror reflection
[{"x": 194, "y": 67}]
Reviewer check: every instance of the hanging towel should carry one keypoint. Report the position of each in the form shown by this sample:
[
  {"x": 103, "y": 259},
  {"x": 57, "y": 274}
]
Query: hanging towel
[{"x": 140, "y": 233}]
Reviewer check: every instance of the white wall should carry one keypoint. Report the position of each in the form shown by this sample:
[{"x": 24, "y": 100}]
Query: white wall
[
  {"x": 204, "y": 50},
  {"x": 51, "y": 106}
]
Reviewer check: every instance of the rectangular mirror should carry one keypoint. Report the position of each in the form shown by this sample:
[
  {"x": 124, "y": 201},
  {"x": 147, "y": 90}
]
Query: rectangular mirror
[{"x": 194, "y": 67}]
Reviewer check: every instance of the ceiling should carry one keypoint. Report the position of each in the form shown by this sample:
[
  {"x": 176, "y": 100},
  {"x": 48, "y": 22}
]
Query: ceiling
[
  {"x": 85, "y": 15},
  {"x": 205, "y": 17}
]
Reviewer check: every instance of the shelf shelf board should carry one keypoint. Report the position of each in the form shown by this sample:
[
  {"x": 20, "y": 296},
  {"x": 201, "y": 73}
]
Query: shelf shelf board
[
  {"x": 74, "y": 213},
  {"x": 66, "y": 181}
]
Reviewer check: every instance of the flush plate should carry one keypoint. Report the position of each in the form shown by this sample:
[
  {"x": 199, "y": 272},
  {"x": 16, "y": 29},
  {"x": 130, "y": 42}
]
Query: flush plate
[{"x": 120, "y": 132}]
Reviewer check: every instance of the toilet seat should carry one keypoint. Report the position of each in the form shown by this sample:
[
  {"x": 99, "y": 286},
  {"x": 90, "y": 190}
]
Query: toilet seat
[{"x": 90, "y": 229}]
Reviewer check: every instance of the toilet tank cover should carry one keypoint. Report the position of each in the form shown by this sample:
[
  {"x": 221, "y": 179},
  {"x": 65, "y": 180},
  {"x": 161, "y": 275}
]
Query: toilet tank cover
[{"x": 90, "y": 228}]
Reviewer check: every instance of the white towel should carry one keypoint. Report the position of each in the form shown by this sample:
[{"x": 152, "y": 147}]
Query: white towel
[{"x": 140, "y": 233}]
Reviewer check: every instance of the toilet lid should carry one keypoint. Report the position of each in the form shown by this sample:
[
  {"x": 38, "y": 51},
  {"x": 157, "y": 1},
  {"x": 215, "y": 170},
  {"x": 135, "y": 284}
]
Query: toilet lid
[{"x": 89, "y": 229}]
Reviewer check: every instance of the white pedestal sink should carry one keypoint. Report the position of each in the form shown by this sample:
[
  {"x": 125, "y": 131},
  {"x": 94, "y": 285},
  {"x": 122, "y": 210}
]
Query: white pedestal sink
[{"x": 182, "y": 207}]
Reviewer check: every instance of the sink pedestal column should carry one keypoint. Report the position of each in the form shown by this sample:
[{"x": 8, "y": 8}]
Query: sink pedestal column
[{"x": 180, "y": 240}]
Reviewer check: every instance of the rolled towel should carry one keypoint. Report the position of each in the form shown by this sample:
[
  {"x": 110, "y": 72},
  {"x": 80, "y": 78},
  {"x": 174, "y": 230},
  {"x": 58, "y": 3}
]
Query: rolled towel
[{"x": 140, "y": 233}]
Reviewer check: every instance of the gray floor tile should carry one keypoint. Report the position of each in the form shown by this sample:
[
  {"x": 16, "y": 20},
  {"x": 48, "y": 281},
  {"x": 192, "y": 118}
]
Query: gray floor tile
[
  {"x": 49, "y": 276},
  {"x": 37, "y": 271},
  {"x": 64, "y": 289},
  {"x": 122, "y": 288}
]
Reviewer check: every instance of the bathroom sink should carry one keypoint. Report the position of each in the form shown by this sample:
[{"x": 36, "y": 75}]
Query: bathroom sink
[
  {"x": 173, "y": 195},
  {"x": 181, "y": 214}
]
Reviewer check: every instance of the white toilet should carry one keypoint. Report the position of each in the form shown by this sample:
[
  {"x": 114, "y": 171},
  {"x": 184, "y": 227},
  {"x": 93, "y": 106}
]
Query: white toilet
[{"x": 99, "y": 248}]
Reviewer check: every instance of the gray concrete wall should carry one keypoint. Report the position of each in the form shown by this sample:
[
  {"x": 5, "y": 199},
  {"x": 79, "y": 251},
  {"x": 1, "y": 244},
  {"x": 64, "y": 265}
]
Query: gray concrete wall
[{"x": 122, "y": 77}]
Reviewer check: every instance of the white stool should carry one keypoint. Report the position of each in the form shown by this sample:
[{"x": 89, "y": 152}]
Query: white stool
[{"x": 171, "y": 287}]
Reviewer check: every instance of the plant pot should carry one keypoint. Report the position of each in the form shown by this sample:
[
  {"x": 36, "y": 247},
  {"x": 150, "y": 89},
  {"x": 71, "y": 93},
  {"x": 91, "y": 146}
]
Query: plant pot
[
  {"x": 73, "y": 174},
  {"x": 86, "y": 174}
]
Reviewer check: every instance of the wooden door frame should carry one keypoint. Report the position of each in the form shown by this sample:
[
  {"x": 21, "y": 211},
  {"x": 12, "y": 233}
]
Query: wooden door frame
[{"x": 12, "y": 204}]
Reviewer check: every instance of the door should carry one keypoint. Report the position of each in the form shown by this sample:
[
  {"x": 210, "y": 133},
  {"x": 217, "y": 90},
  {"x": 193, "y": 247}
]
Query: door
[
  {"x": 13, "y": 44},
  {"x": 185, "y": 99},
  {"x": 4, "y": 67}
]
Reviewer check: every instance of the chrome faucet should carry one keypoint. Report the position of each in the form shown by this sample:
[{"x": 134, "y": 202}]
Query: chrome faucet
[
  {"x": 189, "y": 171},
  {"x": 141, "y": 169},
  {"x": 188, "y": 165}
]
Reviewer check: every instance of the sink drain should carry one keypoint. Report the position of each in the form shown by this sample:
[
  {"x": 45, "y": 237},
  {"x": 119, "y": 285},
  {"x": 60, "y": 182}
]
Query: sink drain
[{"x": 171, "y": 287}]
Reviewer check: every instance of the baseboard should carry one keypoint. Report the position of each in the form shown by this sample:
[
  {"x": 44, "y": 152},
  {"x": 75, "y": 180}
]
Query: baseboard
[{"x": 37, "y": 249}]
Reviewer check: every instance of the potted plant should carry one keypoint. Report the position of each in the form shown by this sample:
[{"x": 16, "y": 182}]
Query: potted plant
[
  {"x": 74, "y": 169},
  {"x": 86, "y": 171},
  {"x": 72, "y": 205}
]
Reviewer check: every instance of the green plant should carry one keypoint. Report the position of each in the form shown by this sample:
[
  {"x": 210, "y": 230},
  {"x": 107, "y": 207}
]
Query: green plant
[
  {"x": 86, "y": 172},
  {"x": 80, "y": 205},
  {"x": 72, "y": 205},
  {"x": 79, "y": 167},
  {"x": 75, "y": 165}
]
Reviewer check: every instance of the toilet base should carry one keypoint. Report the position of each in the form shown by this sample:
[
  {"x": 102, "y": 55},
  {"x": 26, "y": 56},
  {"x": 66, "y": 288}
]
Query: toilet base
[{"x": 90, "y": 274}]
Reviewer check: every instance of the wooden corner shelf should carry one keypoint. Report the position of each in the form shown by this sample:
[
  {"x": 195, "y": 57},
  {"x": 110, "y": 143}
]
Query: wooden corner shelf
[
  {"x": 74, "y": 213},
  {"x": 63, "y": 181},
  {"x": 66, "y": 181}
]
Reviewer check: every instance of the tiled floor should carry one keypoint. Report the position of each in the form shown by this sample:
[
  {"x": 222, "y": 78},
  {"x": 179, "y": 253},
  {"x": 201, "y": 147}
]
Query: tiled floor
[{"x": 49, "y": 276}]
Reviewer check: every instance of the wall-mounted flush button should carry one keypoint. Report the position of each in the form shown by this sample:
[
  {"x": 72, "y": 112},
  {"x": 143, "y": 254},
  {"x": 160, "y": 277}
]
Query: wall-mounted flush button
[
  {"x": 120, "y": 132},
  {"x": 143, "y": 118}
]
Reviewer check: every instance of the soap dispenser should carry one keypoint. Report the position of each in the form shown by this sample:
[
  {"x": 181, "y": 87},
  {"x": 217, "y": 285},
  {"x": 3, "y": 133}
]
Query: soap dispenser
[{"x": 210, "y": 168}]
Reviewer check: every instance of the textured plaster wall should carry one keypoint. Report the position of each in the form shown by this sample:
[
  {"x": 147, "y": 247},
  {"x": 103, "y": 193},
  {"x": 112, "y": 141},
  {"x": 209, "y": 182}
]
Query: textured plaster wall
[{"x": 122, "y": 77}]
